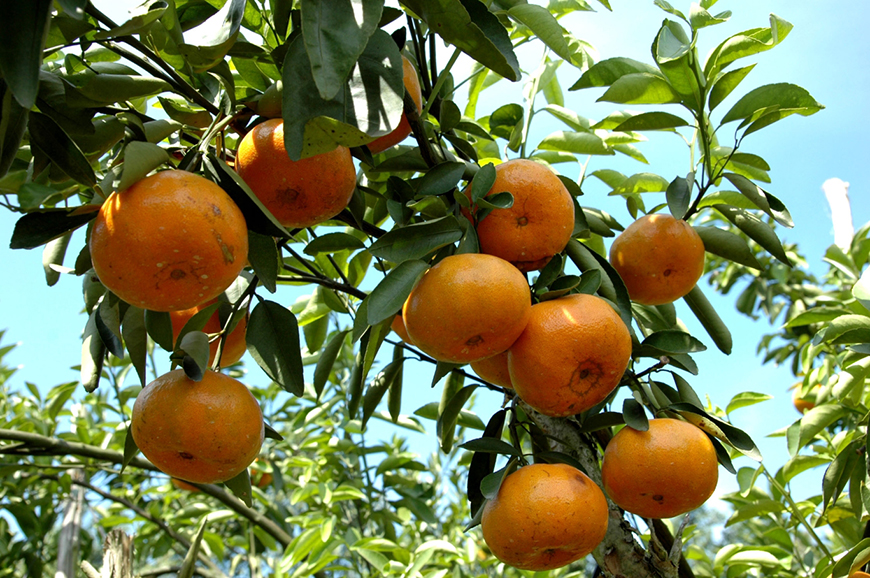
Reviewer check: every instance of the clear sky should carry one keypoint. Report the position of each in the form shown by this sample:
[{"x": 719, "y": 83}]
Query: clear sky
[{"x": 825, "y": 53}]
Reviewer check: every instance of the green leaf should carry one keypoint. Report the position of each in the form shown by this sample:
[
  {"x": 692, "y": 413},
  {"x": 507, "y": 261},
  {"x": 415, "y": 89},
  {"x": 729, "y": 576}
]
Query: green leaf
[
  {"x": 756, "y": 229},
  {"x": 194, "y": 345},
  {"x": 336, "y": 33},
  {"x": 93, "y": 355},
  {"x": 240, "y": 486},
  {"x": 845, "y": 329},
  {"x": 679, "y": 196},
  {"x": 727, "y": 245},
  {"x": 719, "y": 429},
  {"x": 205, "y": 46},
  {"x": 491, "y": 484},
  {"x": 767, "y": 104},
  {"x": 634, "y": 415},
  {"x": 672, "y": 341},
  {"x": 840, "y": 470},
  {"x": 333, "y": 243},
  {"x": 140, "y": 158},
  {"x": 726, "y": 84},
  {"x": 608, "y": 71},
  {"x": 761, "y": 199},
  {"x": 801, "y": 463},
  {"x": 441, "y": 178},
  {"x": 273, "y": 341},
  {"x": 640, "y": 88},
  {"x": 569, "y": 117},
  {"x": 483, "y": 464},
  {"x": 709, "y": 318},
  {"x": 491, "y": 445},
  {"x": 390, "y": 294},
  {"x": 651, "y": 121},
  {"x": 471, "y": 27},
  {"x": 817, "y": 419},
  {"x": 39, "y": 227},
  {"x": 264, "y": 258},
  {"x": 23, "y": 29},
  {"x": 700, "y": 18},
  {"x": 327, "y": 361},
  {"x": 816, "y": 315},
  {"x": 368, "y": 105},
  {"x": 746, "y": 399},
  {"x": 582, "y": 143},
  {"x": 666, "y": 6},
  {"x": 545, "y": 26},
  {"x": 446, "y": 424},
  {"x": 504, "y": 120},
  {"x": 857, "y": 553},
  {"x": 257, "y": 216},
  {"x": 130, "y": 449},
  {"x": 95, "y": 90},
  {"x": 51, "y": 139},
  {"x": 672, "y": 50},
  {"x": 418, "y": 240},
  {"x": 136, "y": 339},
  {"x": 746, "y": 43},
  {"x": 135, "y": 25},
  {"x": 158, "y": 324},
  {"x": 641, "y": 183},
  {"x": 861, "y": 289},
  {"x": 379, "y": 387}
]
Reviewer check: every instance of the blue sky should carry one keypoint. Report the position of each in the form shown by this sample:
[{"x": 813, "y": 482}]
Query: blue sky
[{"x": 825, "y": 53}]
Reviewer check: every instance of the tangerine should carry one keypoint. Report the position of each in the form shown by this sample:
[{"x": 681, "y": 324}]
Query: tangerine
[
  {"x": 299, "y": 193},
  {"x": 806, "y": 403},
  {"x": 659, "y": 258},
  {"x": 494, "y": 369},
  {"x": 545, "y": 516},
  {"x": 537, "y": 226},
  {"x": 664, "y": 472},
  {"x": 467, "y": 307},
  {"x": 205, "y": 431},
  {"x": 182, "y": 485},
  {"x": 169, "y": 242},
  {"x": 398, "y": 325},
  {"x": 859, "y": 574},
  {"x": 571, "y": 355},
  {"x": 398, "y": 134},
  {"x": 234, "y": 344}
]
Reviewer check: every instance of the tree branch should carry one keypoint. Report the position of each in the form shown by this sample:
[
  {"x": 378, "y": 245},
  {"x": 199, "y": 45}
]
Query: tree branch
[{"x": 58, "y": 447}]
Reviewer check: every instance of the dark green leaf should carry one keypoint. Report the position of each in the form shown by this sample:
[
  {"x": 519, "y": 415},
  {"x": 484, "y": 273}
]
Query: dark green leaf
[
  {"x": 333, "y": 243},
  {"x": 417, "y": 241},
  {"x": 158, "y": 324},
  {"x": 264, "y": 258},
  {"x": 273, "y": 341},
  {"x": 379, "y": 388},
  {"x": 641, "y": 183},
  {"x": 446, "y": 424},
  {"x": 727, "y": 245},
  {"x": 389, "y": 295},
  {"x": 545, "y": 26},
  {"x": 23, "y": 29},
  {"x": 40, "y": 227},
  {"x": 505, "y": 119},
  {"x": 368, "y": 105},
  {"x": 761, "y": 198},
  {"x": 51, "y": 139},
  {"x": 336, "y": 33},
  {"x": 93, "y": 355},
  {"x": 469, "y": 26},
  {"x": 490, "y": 485},
  {"x": 441, "y": 178},
  {"x": 451, "y": 117},
  {"x": 240, "y": 486},
  {"x": 482, "y": 464},
  {"x": 672, "y": 341},
  {"x": 140, "y": 158},
  {"x": 756, "y": 229},
  {"x": 130, "y": 449},
  {"x": 709, "y": 318},
  {"x": 490, "y": 445},
  {"x": 195, "y": 347},
  {"x": 718, "y": 428},
  {"x": 838, "y": 473},
  {"x": 13, "y": 117},
  {"x": 634, "y": 415},
  {"x": 679, "y": 196},
  {"x": 327, "y": 360},
  {"x": 780, "y": 98}
]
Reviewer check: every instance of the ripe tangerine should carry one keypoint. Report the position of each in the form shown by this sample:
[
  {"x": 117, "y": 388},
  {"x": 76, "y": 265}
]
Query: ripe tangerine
[
  {"x": 537, "y": 226},
  {"x": 467, "y": 307},
  {"x": 205, "y": 432},
  {"x": 299, "y": 193},
  {"x": 545, "y": 516},
  {"x": 234, "y": 344},
  {"x": 659, "y": 258},
  {"x": 571, "y": 355},
  {"x": 661, "y": 473},
  {"x": 494, "y": 369},
  {"x": 398, "y": 134},
  {"x": 169, "y": 242}
]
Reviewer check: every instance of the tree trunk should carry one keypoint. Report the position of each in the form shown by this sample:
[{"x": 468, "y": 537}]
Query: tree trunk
[
  {"x": 117, "y": 557},
  {"x": 68, "y": 542}
]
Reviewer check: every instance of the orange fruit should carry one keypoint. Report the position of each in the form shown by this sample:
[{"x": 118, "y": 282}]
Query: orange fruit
[
  {"x": 398, "y": 134},
  {"x": 859, "y": 574},
  {"x": 398, "y": 325},
  {"x": 182, "y": 485},
  {"x": 571, "y": 355},
  {"x": 659, "y": 258},
  {"x": 467, "y": 307},
  {"x": 545, "y": 516},
  {"x": 234, "y": 344},
  {"x": 169, "y": 242},
  {"x": 494, "y": 369},
  {"x": 299, "y": 193},
  {"x": 204, "y": 432},
  {"x": 661, "y": 473},
  {"x": 260, "y": 478},
  {"x": 537, "y": 226},
  {"x": 804, "y": 404}
]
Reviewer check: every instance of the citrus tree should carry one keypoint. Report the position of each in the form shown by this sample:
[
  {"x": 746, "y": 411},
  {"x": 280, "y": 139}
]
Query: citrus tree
[{"x": 224, "y": 157}]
